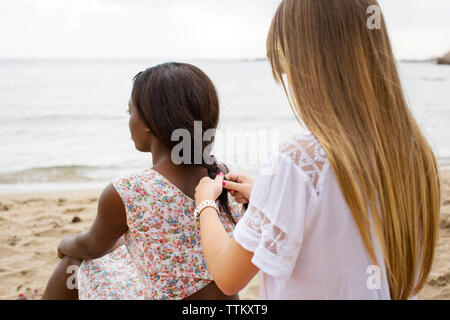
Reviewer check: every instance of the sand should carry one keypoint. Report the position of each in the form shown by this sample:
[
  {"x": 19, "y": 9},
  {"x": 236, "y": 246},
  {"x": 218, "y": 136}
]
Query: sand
[{"x": 31, "y": 226}]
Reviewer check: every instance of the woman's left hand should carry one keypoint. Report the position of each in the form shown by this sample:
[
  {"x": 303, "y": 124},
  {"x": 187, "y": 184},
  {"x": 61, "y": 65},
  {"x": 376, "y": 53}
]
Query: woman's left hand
[
  {"x": 209, "y": 189},
  {"x": 63, "y": 245}
]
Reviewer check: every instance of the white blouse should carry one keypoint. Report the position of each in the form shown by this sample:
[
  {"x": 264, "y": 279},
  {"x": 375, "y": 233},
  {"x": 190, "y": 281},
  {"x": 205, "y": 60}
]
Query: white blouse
[{"x": 305, "y": 241}]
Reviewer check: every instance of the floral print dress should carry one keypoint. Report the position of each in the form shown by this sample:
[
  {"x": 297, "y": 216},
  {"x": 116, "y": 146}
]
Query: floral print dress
[{"x": 162, "y": 257}]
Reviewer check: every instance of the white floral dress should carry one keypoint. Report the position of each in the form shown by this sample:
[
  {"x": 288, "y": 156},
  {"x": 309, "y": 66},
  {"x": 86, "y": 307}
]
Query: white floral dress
[{"x": 162, "y": 256}]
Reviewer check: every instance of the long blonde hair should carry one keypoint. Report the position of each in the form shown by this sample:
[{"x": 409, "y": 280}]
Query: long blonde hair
[{"x": 344, "y": 86}]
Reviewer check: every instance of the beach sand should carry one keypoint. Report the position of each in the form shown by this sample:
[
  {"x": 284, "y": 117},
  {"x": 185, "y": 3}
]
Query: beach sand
[{"x": 31, "y": 226}]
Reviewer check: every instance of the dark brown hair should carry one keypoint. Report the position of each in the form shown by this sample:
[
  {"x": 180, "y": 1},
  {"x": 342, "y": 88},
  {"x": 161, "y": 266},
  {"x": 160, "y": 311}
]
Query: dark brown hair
[{"x": 173, "y": 96}]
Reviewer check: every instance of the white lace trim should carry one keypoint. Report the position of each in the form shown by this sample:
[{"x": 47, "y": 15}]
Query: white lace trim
[
  {"x": 307, "y": 153},
  {"x": 277, "y": 251}
]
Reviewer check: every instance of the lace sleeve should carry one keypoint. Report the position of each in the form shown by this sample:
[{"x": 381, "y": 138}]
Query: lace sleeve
[{"x": 275, "y": 252}]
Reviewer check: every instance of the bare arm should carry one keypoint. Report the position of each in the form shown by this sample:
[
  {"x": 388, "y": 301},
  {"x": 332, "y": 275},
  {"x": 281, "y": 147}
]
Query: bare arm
[
  {"x": 229, "y": 263},
  {"x": 108, "y": 227}
]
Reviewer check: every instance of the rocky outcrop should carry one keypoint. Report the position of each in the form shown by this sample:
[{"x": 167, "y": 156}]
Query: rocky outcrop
[{"x": 445, "y": 59}]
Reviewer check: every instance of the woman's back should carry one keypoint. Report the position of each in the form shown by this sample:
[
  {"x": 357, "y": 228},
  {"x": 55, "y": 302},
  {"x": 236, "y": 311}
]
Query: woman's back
[
  {"x": 342, "y": 83},
  {"x": 162, "y": 242},
  {"x": 309, "y": 245}
]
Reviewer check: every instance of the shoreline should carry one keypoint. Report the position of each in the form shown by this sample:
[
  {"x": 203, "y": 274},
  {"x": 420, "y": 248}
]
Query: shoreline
[
  {"x": 51, "y": 193},
  {"x": 33, "y": 223}
]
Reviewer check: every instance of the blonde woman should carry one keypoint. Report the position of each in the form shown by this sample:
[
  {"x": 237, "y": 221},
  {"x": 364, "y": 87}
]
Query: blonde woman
[{"x": 349, "y": 206}]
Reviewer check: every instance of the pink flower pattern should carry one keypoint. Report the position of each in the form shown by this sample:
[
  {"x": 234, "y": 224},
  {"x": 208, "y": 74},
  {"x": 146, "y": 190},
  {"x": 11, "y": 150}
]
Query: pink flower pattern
[{"x": 162, "y": 258}]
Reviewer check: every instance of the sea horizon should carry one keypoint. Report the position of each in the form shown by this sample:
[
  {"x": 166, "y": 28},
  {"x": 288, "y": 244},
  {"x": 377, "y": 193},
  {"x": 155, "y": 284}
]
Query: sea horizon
[{"x": 63, "y": 122}]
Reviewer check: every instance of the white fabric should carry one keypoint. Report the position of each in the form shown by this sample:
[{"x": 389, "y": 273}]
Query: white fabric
[{"x": 304, "y": 238}]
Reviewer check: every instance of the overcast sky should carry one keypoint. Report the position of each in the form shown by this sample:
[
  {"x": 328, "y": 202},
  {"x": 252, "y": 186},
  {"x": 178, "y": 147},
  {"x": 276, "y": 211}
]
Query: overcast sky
[{"x": 186, "y": 29}]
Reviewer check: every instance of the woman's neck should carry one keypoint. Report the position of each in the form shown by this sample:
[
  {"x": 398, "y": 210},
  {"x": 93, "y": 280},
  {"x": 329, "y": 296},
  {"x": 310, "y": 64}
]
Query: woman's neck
[{"x": 184, "y": 177}]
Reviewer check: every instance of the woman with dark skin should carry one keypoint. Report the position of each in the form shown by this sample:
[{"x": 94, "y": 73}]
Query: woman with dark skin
[{"x": 106, "y": 233}]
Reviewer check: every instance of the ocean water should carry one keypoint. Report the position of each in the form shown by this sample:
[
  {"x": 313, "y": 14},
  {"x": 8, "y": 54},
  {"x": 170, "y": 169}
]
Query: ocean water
[{"x": 63, "y": 123}]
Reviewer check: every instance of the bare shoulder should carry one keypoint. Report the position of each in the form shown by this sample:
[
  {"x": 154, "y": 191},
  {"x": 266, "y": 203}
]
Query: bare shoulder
[
  {"x": 110, "y": 203},
  {"x": 110, "y": 195}
]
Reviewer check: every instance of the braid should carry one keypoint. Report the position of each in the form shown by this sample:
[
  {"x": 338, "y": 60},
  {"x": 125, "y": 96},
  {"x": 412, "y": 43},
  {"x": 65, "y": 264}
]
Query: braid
[{"x": 213, "y": 170}]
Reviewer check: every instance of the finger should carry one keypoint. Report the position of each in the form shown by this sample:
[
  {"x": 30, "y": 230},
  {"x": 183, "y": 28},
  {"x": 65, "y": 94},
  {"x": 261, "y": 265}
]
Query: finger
[
  {"x": 219, "y": 178},
  {"x": 239, "y": 197},
  {"x": 233, "y": 186},
  {"x": 242, "y": 201},
  {"x": 234, "y": 177},
  {"x": 234, "y": 193},
  {"x": 204, "y": 180}
]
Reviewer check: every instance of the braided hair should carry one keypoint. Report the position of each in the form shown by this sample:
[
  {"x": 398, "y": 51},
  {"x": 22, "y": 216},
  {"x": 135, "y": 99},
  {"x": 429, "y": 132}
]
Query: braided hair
[{"x": 213, "y": 170}]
